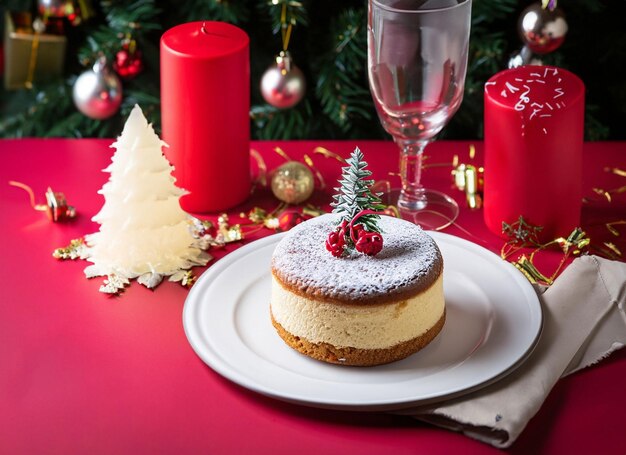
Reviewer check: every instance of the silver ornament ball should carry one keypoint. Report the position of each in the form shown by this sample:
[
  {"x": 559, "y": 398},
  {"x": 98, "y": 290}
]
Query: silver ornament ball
[
  {"x": 542, "y": 30},
  {"x": 283, "y": 84},
  {"x": 97, "y": 92}
]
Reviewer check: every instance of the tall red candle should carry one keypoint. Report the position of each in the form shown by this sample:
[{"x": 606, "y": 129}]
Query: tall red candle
[
  {"x": 534, "y": 122},
  {"x": 205, "y": 104}
]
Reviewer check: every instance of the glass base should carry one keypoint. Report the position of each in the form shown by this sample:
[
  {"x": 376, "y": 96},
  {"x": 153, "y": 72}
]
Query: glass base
[{"x": 435, "y": 212}]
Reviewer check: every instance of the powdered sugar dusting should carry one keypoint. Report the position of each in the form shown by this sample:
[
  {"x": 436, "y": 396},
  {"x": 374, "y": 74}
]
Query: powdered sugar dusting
[{"x": 301, "y": 260}]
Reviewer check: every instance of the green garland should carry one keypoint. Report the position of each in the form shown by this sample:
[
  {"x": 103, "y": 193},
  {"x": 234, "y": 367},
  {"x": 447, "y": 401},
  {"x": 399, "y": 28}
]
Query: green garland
[{"x": 329, "y": 44}]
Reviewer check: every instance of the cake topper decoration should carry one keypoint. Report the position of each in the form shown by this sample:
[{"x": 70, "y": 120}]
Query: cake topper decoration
[{"x": 355, "y": 201}]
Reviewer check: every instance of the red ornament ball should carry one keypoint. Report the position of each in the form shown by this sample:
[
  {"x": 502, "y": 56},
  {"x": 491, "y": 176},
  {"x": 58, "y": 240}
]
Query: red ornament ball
[
  {"x": 290, "y": 219},
  {"x": 128, "y": 64}
]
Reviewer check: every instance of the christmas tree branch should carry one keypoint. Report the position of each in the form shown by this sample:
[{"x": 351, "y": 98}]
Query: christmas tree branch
[
  {"x": 331, "y": 51},
  {"x": 341, "y": 87},
  {"x": 132, "y": 21},
  {"x": 235, "y": 12},
  {"x": 274, "y": 123},
  {"x": 295, "y": 13}
]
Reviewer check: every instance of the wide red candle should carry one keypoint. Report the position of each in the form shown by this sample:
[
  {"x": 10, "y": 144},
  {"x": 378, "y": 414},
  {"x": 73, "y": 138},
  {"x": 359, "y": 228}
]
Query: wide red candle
[
  {"x": 205, "y": 105},
  {"x": 534, "y": 122}
]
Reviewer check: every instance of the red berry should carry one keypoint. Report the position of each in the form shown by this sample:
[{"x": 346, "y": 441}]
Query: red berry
[
  {"x": 365, "y": 242},
  {"x": 369, "y": 243},
  {"x": 335, "y": 243}
]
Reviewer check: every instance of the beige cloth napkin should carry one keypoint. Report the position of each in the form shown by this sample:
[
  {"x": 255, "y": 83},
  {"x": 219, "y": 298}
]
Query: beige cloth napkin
[{"x": 584, "y": 322}]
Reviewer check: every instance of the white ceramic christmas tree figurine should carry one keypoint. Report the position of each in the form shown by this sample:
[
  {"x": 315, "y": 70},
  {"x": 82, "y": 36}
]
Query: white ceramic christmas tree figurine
[{"x": 144, "y": 233}]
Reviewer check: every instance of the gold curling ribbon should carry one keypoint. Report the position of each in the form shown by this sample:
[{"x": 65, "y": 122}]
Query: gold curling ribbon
[
  {"x": 262, "y": 178},
  {"x": 29, "y": 190},
  {"x": 525, "y": 265},
  {"x": 611, "y": 246},
  {"x": 282, "y": 153},
  {"x": 602, "y": 192},
  {"x": 318, "y": 174},
  {"x": 616, "y": 171},
  {"x": 621, "y": 189},
  {"x": 608, "y": 193},
  {"x": 328, "y": 154},
  {"x": 523, "y": 235},
  {"x": 611, "y": 229}
]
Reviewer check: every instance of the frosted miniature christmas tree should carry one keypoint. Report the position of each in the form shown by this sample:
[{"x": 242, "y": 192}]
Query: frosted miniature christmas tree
[
  {"x": 355, "y": 193},
  {"x": 144, "y": 233},
  {"x": 359, "y": 210}
]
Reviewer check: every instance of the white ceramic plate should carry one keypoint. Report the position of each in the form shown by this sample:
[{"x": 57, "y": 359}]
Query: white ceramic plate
[{"x": 493, "y": 322}]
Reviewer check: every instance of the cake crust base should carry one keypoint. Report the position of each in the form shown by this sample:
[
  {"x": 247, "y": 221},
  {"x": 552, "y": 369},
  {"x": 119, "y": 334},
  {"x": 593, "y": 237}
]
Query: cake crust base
[{"x": 355, "y": 356}]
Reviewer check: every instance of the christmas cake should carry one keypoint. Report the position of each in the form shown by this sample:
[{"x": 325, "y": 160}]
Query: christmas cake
[
  {"x": 342, "y": 298},
  {"x": 339, "y": 296}
]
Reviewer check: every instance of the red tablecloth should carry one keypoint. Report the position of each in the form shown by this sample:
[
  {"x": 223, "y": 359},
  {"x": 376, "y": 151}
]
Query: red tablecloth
[{"x": 81, "y": 372}]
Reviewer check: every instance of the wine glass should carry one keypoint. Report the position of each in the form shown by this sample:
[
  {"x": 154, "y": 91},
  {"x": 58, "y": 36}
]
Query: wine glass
[{"x": 417, "y": 59}]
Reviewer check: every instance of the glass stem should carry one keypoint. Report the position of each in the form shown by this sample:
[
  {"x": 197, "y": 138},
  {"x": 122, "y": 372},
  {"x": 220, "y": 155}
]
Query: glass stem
[{"x": 412, "y": 196}]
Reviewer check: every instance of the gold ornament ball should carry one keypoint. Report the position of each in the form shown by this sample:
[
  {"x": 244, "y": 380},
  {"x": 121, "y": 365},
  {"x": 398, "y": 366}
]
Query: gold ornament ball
[{"x": 293, "y": 182}]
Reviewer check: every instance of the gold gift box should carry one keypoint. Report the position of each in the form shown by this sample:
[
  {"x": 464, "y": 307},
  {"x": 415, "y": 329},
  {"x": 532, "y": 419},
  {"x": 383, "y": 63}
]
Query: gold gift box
[{"x": 23, "y": 48}]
